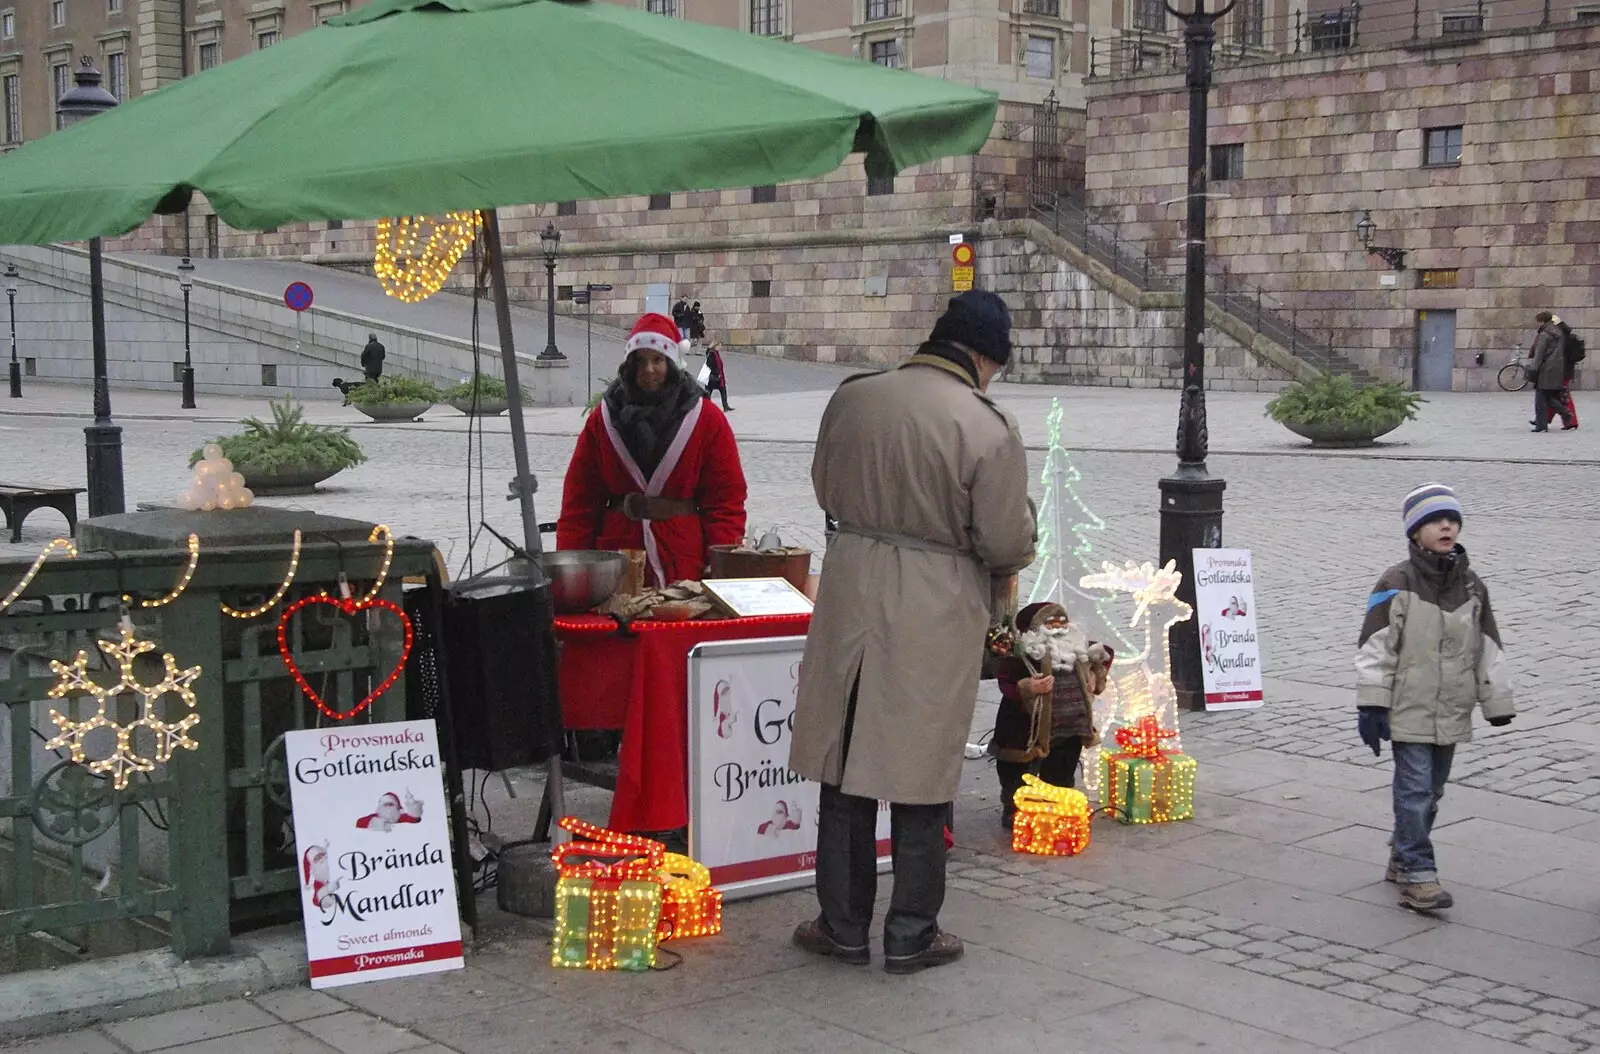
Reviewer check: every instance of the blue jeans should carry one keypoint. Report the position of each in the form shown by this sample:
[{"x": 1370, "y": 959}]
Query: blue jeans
[{"x": 1420, "y": 772}]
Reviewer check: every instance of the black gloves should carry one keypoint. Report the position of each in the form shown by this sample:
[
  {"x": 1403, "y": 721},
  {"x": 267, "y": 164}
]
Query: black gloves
[
  {"x": 1373, "y": 724},
  {"x": 1501, "y": 722}
]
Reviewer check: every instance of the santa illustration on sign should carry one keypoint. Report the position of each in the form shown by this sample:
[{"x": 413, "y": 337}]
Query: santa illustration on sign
[
  {"x": 782, "y": 820},
  {"x": 390, "y": 813},
  {"x": 314, "y": 874},
  {"x": 722, "y": 709}
]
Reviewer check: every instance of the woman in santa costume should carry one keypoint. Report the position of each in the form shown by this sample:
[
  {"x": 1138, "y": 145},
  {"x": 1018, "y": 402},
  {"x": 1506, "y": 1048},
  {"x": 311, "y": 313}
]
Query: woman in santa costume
[{"x": 656, "y": 467}]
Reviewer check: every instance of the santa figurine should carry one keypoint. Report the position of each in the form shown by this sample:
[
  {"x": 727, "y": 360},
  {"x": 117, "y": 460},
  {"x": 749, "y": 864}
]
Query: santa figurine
[
  {"x": 656, "y": 466},
  {"x": 314, "y": 874},
  {"x": 1049, "y": 673},
  {"x": 390, "y": 813}
]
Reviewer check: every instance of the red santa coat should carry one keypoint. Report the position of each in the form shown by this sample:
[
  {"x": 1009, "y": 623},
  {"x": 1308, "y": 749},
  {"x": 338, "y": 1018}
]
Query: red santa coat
[{"x": 701, "y": 465}]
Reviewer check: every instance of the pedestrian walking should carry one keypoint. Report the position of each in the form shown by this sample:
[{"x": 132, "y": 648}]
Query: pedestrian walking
[
  {"x": 718, "y": 381},
  {"x": 928, "y": 481},
  {"x": 372, "y": 358},
  {"x": 1549, "y": 372},
  {"x": 1573, "y": 352},
  {"x": 680, "y": 315},
  {"x": 697, "y": 322},
  {"x": 1429, "y": 652}
]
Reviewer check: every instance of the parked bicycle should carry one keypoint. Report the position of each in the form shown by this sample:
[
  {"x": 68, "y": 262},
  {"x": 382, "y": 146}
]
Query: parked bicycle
[{"x": 1515, "y": 376}]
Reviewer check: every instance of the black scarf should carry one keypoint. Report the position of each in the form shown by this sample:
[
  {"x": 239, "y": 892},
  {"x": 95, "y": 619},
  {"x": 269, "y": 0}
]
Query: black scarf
[
  {"x": 950, "y": 353},
  {"x": 648, "y": 421}
]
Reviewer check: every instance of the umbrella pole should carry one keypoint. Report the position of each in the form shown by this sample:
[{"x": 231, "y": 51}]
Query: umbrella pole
[{"x": 525, "y": 482}]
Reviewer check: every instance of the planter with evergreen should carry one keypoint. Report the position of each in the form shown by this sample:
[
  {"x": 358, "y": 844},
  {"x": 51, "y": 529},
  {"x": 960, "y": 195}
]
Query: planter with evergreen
[
  {"x": 395, "y": 398},
  {"x": 1334, "y": 411},
  {"x": 488, "y": 398},
  {"x": 287, "y": 455}
]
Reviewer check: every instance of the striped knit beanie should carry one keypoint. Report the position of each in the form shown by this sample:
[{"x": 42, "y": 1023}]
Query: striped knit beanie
[{"x": 1430, "y": 501}]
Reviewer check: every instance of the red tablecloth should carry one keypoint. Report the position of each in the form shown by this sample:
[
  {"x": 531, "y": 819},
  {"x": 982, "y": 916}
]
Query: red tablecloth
[{"x": 640, "y": 684}]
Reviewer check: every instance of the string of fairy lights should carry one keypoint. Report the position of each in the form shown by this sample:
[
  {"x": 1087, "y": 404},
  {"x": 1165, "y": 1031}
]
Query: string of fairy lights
[{"x": 414, "y": 255}]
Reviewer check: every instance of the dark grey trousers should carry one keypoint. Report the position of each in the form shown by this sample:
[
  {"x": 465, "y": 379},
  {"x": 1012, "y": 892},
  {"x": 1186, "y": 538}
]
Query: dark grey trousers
[{"x": 847, "y": 866}]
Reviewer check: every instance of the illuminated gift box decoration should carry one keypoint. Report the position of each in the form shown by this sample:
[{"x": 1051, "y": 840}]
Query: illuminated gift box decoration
[
  {"x": 1050, "y": 820},
  {"x": 608, "y": 914},
  {"x": 689, "y": 906},
  {"x": 1144, "y": 784}
]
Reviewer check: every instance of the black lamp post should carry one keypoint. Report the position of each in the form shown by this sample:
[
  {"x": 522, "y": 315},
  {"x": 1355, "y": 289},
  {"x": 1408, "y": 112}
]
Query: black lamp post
[
  {"x": 1365, "y": 229},
  {"x": 550, "y": 241},
  {"x": 186, "y": 283},
  {"x": 11, "y": 277},
  {"x": 1191, "y": 499},
  {"x": 102, "y": 440}
]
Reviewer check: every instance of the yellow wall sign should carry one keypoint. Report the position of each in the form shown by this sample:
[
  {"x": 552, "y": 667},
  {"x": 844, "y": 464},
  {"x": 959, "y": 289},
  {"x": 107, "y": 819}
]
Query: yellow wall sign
[{"x": 961, "y": 279}]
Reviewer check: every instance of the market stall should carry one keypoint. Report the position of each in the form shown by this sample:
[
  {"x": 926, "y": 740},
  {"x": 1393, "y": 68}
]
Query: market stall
[{"x": 637, "y": 680}]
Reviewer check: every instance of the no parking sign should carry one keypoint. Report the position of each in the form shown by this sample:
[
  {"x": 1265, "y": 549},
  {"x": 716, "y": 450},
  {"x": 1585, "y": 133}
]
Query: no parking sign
[{"x": 297, "y": 297}]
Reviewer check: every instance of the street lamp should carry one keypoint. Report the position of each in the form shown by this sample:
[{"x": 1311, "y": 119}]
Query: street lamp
[
  {"x": 102, "y": 440},
  {"x": 1365, "y": 229},
  {"x": 11, "y": 277},
  {"x": 550, "y": 241},
  {"x": 186, "y": 283},
  {"x": 1191, "y": 499}
]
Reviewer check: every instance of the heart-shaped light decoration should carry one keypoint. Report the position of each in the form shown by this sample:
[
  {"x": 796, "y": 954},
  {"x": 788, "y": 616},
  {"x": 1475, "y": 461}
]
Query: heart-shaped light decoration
[
  {"x": 414, "y": 255},
  {"x": 348, "y": 607}
]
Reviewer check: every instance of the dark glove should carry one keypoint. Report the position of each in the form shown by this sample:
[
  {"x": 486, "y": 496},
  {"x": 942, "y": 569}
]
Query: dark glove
[
  {"x": 1373, "y": 724},
  {"x": 1501, "y": 722}
]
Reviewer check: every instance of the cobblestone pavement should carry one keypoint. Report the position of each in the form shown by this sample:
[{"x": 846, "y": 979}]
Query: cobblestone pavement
[{"x": 1263, "y": 924}]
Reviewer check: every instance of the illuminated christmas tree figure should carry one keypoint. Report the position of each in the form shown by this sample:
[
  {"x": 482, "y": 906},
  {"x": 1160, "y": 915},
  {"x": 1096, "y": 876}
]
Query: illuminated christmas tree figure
[
  {"x": 1065, "y": 554},
  {"x": 1138, "y": 687}
]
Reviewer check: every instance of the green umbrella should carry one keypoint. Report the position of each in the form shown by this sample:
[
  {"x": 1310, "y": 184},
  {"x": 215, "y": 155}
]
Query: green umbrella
[{"x": 409, "y": 107}]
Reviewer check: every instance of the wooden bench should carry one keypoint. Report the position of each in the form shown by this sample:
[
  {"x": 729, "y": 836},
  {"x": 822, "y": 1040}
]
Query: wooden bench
[{"x": 17, "y": 500}]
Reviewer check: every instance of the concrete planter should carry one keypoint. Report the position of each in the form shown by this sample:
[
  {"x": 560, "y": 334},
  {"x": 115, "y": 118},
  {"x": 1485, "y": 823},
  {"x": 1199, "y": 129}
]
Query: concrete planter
[
  {"x": 486, "y": 407},
  {"x": 1342, "y": 433},
  {"x": 394, "y": 411},
  {"x": 291, "y": 481}
]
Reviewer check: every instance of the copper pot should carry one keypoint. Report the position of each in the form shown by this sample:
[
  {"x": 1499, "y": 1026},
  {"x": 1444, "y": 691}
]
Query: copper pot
[{"x": 795, "y": 566}]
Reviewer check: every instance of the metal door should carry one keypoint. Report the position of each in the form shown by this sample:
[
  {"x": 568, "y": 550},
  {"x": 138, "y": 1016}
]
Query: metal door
[{"x": 1436, "y": 351}]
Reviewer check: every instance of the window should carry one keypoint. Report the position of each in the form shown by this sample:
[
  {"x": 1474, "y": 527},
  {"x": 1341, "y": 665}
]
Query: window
[
  {"x": 1248, "y": 22},
  {"x": 267, "y": 39},
  {"x": 8, "y": 25},
  {"x": 761, "y": 290},
  {"x": 886, "y": 53},
  {"x": 563, "y": 292},
  {"x": 213, "y": 236},
  {"x": 117, "y": 75},
  {"x": 660, "y": 201},
  {"x": 1587, "y": 15},
  {"x": 113, "y": 7},
  {"x": 1149, "y": 14},
  {"x": 336, "y": 225},
  {"x": 1227, "y": 161},
  {"x": 61, "y": 78},
  {"x": 1040, "y": 59},
  {"x": 1452, "y": 25},
  {"x": 877, "y": 9},
  {"x": 58, "y": 13},
  {"x": 207, "y": 56},
  {"x": 1441, "y": 146},
  {"x": 1444, "y": 278},
  {"x": 1042, "y": 7},
  {"x": 12, "y": 85},
  {"x": 566, "y": 208},
  {"x": 322, "y": 12},
  {"x": 877, "y": 186},
  {"x": 766, "y": 18},
  {"x": 269, "y": 375},
  {"x": 764, "y": 195},
  {"x": 1333, "y": 31},
  {"x": 662, "y": 7}
]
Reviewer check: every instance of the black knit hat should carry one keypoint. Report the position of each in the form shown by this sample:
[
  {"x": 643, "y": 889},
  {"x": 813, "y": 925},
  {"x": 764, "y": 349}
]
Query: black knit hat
[{"x": 979, "y": 320}]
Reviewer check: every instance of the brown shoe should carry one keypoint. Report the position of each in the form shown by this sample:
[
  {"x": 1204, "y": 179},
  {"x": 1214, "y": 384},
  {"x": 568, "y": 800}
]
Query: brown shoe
[
  {"x": 1425, "y": 896},
  {"x": 946, "y": 948},
  {"x": 814, "y": 937}
]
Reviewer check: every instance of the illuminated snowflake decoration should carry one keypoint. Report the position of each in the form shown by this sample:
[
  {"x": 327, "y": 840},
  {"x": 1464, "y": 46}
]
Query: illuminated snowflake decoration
[{"x": 169, "y": 736}]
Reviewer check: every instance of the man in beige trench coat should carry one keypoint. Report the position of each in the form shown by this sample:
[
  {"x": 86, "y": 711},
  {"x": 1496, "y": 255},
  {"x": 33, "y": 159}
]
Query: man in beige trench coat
[{"x": 928, "y": 480}]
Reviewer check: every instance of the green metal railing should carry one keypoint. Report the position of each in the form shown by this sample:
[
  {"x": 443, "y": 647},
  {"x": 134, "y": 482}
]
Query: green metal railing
[{"x": 201, "y": 847}]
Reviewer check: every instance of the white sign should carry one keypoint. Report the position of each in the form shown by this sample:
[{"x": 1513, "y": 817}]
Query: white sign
[
  {"x": 752, "y": 821},
  {"x": 957, "y": 239},
  {"x": 1225, "y": 602},
  {"x": 377, "y": 888}
]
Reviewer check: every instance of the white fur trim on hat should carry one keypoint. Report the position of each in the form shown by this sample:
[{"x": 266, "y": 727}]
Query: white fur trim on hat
[{"x": 656, "y": 342}]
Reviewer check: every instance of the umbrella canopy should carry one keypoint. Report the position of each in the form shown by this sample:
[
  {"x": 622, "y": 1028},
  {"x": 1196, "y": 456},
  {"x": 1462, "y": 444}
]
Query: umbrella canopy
[{"x": 410, "y": 107}]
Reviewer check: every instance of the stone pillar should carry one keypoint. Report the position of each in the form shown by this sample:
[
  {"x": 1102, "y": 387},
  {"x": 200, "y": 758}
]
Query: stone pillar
[{"x": 161, "y": 62}]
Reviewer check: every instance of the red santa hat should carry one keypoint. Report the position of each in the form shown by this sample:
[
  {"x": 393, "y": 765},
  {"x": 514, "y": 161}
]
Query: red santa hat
[
  {"x": 657, "y": 333},
  {"x": 390, "y": 796}
]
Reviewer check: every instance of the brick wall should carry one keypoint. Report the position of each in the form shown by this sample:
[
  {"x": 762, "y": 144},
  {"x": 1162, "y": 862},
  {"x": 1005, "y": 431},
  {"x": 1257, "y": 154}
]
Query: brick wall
[{"x": 1325, "y": 138}]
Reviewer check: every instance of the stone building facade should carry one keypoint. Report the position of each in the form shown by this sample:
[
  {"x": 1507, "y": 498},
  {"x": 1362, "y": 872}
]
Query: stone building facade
[{"x": 1476, "y": 156}]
